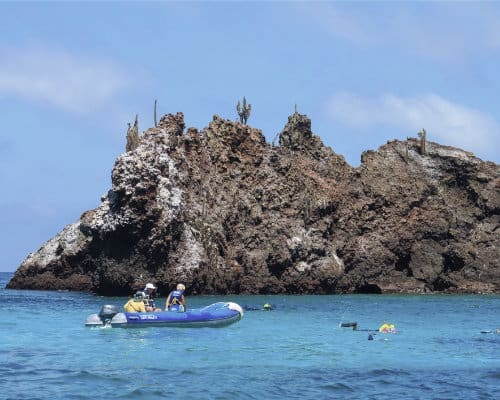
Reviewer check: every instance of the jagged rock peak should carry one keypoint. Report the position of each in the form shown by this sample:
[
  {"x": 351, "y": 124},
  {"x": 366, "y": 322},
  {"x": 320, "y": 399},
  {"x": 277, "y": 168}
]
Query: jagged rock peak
[
  {"x": 297, "y": 134},
  {"x": 230, "y": 141},
  {"x": 224, "y": 129},
  {"x": 173, "y": 123}
]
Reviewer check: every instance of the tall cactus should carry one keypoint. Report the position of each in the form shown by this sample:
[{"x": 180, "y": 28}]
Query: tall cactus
[
  {"x": 244, "y": 110},
  {"x": 156, "y": 125},
  {"x": 407, "y": 155},
  {"x": 133, "y": 135},
  {"x": 423, "y": 146}
]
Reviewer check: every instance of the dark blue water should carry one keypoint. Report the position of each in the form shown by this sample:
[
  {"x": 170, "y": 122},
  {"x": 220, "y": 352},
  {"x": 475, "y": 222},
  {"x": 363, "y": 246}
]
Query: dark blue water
[{"x": 296, "y": 351}]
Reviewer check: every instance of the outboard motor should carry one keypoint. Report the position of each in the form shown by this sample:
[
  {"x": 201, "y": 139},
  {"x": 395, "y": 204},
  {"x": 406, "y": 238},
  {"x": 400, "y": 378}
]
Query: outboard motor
[
  {"x": 103, "y": 318},
  {"x": 107, "y": 313}
]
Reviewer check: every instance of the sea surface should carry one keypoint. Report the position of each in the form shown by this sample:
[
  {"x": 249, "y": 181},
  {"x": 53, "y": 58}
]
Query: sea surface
[{"x": 296, "y": 351}]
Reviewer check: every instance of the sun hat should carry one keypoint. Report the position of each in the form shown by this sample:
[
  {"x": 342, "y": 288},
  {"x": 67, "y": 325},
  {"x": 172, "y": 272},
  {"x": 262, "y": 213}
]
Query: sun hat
[
  {"x": 150, "y": 286},
  {"x": 180, "y": 286}
]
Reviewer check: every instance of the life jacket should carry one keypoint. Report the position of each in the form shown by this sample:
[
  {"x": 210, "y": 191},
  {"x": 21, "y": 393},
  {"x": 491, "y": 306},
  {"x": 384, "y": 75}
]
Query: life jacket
[
  {"x": 176, "y": 297},
  {"x": 176, "y": 301}
]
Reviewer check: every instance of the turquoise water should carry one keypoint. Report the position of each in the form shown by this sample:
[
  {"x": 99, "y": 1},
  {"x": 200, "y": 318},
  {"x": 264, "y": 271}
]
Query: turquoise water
[{"x": 296, "y": 351}]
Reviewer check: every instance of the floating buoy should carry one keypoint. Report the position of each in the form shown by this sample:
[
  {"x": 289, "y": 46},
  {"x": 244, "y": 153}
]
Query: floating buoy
[{"x": 353, "y": 325}]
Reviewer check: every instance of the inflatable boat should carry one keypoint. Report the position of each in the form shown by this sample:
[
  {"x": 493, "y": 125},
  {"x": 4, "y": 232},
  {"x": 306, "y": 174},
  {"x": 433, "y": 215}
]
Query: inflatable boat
[{"x": 215, "y": 315}]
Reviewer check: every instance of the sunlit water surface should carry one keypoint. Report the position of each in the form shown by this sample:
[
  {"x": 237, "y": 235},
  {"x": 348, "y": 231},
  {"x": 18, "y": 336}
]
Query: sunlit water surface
[{"x": 296, "y": 351}]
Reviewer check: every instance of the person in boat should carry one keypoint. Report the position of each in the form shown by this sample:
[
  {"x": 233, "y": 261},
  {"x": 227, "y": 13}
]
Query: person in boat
[
  {"x": 135, "y": 304},
  {"x": 149, "y": 296},
  {"x": 175, "y": 300}
]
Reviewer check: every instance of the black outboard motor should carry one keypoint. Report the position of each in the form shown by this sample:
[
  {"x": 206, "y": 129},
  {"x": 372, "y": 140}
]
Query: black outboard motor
[{"x": 107, "y": 313}]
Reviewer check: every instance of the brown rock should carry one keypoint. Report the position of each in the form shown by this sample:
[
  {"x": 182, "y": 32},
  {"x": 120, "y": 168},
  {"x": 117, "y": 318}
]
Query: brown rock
[{"x": 224, "y": 212}]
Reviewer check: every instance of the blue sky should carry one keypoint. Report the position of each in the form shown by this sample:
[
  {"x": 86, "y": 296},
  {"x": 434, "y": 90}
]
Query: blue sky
[{"x": 72, "y": 74}]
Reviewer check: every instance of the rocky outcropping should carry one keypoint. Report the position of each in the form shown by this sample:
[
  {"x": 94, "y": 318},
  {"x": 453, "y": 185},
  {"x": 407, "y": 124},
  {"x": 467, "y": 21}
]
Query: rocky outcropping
[{"x": 223, "y": 211}]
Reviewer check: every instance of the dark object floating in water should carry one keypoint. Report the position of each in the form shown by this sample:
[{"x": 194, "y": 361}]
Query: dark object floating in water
[
  {"x": 353, "y": 325},
  {"x": 265, "y": 307},
  {"x": 251, "y": 308},
  {"x": 495, "y": 331}
]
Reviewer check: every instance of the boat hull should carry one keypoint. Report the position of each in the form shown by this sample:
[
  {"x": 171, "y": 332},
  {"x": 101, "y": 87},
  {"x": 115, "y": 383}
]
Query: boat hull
[{"x": 215, "y": 315}]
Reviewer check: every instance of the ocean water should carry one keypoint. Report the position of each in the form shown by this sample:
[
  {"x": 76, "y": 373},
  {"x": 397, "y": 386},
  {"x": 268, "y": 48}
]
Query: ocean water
[{"x": 296, "y": 351}]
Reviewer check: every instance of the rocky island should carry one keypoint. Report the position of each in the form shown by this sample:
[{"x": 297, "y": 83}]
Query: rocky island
[{"x": 223, "y": 211}]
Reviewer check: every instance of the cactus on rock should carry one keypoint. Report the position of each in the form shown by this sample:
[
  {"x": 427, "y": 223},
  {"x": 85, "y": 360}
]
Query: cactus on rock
[
  {"x": 133, "y": 136},
  {"x": 422, "y": 135},
  {"x": 154, "y": 115},
  {"x": 244, "y": 110}
]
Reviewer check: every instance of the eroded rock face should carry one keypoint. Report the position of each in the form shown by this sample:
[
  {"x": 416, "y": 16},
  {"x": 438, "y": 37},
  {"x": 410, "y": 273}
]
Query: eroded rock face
[{"x": 224, "y": 212}]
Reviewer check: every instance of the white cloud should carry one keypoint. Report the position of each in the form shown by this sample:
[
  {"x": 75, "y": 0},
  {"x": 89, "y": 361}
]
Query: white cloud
[
  {"x": 446, "y": 122},
  {"x": 334, "y": 21},
  {"x": 60, "y": 78},
  {"x": 435, "y": 30}
]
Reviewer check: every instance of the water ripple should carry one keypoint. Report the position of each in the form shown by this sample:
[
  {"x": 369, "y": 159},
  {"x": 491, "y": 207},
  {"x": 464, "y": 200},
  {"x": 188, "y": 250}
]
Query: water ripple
[{"x": 297, "y": 351}]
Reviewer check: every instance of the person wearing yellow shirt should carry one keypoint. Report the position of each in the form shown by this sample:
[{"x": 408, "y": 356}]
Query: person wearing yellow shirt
[{"x": 136, "y": 304}]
